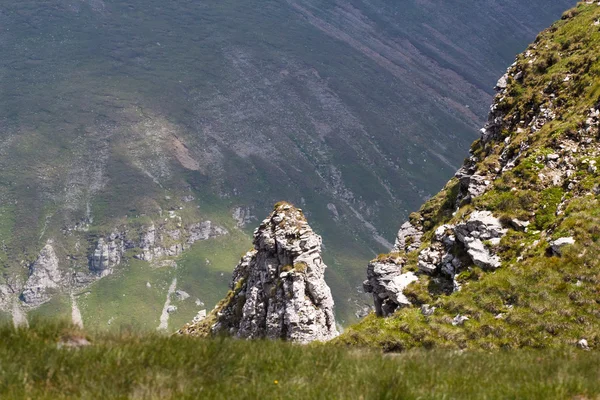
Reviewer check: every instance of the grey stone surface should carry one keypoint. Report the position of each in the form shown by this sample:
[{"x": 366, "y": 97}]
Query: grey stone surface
[
  {"x": 408, "y": 238},
  {"x": 44, "y": 278},
  {"x": 386, "y": 281},
  {"x": 558, "y": 244},
  {"x": 279, "y": 289}
]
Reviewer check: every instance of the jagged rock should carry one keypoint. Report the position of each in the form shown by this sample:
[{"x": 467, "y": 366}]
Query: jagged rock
[
  {"x": 469, "y": 236},
  {"x": 181, "y": 295},
  {"x": 502, "y": 82},
  {"x": 459, "y": 320},
  {"x": 204, "y": 230},
  {"x": 106, "y": 256},
  {"x": 199, "y": 317},
  {"x": 408, "y": 238},
  {"x": 470, "y": 186},
  {"x": 559, "y": 244},
  {"x": 278, "y": 290},
  {"x": 243, "y": 216},
  {"x": 438, "y": 256},
  {"x": 583, "y": 344},
  {"x": 386, "y": 282},
  {"x": 427, "y": 310},
  {"x": 481, "y": 226},
  {"x": 171, "y": 309},
  {"x": 44, "y": 277}
]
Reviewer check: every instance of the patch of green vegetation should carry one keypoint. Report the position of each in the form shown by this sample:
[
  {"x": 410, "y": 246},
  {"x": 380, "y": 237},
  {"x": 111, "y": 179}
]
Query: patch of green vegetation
[
  {"x": 300, "y": 266},
  {"x": 547, "y": 207},
  {"x": 59, "y": 307},
  {"x": 128, "y": 365},
  {"x": 124, "y": 300},
  {"x": 439, "y": 209},
  {"x": 204, "y": 272}
]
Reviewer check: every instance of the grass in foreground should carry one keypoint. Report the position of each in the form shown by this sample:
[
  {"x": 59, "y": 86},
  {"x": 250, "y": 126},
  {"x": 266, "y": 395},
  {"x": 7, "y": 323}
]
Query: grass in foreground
[{"x": 127, "y": 365}]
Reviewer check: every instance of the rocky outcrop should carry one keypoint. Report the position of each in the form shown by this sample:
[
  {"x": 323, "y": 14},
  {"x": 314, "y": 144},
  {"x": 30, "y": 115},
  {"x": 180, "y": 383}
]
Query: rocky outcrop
[
  {"x": 386, "y": 281},
  {"x": 558, "y": 245},
  {"x": 203, "y": 231},
  {"x": 44, "y": 278},
  {"x": 152, "y": 242},
  {"x": 278, "y": 290},
  {"x": 452, "y": 246},
  {"x": 108, "y": 254},
  {"x": 243, "y": 216},
  {"x": 152, "y": 247},
  {"x": 156, "y": 243},
  {"x": 408, "y": 238}
]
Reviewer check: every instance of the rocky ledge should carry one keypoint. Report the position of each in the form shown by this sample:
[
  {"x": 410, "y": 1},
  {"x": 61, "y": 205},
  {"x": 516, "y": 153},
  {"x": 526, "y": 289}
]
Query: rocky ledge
[{"x": 278, "y": 289}]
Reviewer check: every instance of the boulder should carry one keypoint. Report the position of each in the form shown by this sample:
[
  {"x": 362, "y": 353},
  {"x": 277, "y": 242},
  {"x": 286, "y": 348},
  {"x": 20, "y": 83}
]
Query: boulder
[{"x": 558, "y": 244}]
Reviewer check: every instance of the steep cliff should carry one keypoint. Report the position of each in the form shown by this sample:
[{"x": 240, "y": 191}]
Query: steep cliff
[
  {"x": 278, "y": 289},
  {"x": 113, "y": 112},
  {"x": 506, "y": 255}
]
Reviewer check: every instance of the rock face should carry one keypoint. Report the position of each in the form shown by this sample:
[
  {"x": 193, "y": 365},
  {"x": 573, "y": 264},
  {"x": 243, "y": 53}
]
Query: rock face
[
  {"x": 278, "y": 290},
  {"x": 107, "y": 255},
  {"x": 153, "y": 242},
  {"x": 408, "y": 238},
  {"x": 386, "y": 282},
  {"x": 243, "y": 216},
  {"x": 204, "y": 230},
  {"x": 44, "y": 277},
  {"x": 451, "y": 247}
]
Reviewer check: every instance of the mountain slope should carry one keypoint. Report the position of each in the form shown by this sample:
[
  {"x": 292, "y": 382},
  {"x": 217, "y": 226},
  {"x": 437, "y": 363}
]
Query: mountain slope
[
  {"x": 506, "y": 256},
  {"x": 116, "y": 114}
]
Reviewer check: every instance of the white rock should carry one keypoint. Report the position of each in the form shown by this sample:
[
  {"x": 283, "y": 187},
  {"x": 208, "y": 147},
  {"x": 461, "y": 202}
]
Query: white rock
[
  {"x": 181, "y": 295},
  {"x": 583, "y": 344},
  {"x": 459, "y": 320},
  {"x": 408, "y": 238},
  {"x": 386, "y": 282},
  {"x": 199, "y": 317},
  {"x": 171, "y": 309},
  {"x": 502, "y": 82},
  {"x": 427, "y": 310},
  {"x": 559, "y": 244}
]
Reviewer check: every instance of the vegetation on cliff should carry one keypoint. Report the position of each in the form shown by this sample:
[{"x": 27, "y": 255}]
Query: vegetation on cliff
[{"x": 538, "y": 157}]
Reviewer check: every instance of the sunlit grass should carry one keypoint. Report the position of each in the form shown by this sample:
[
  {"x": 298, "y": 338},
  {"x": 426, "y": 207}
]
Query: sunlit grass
[{"x": 129, "y": 365}]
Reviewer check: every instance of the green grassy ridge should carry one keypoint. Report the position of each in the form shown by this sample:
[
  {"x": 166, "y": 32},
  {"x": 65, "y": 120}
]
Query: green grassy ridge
[
  {"x": 129, "y": 365},
  {"x": 535, "y": 299}
]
